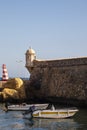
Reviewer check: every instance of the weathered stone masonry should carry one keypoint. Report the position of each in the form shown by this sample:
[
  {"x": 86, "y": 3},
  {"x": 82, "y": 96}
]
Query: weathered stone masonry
[{"x": 66, "y": 78}]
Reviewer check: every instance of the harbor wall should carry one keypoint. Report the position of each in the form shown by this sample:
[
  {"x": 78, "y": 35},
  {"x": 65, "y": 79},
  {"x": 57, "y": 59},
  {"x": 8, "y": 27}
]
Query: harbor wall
[{"x": 59, "y": 80}]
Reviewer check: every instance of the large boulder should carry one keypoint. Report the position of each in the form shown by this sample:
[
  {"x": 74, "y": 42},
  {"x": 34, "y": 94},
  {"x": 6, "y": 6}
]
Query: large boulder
[{"x": 13, "y": 88}]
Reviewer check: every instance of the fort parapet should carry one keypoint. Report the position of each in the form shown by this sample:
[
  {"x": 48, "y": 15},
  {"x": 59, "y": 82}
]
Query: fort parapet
[{"x": 61, "y": 62}]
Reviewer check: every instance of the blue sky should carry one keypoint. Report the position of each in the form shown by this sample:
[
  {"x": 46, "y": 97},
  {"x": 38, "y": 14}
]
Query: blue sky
[{"x": 53, "y": 28}]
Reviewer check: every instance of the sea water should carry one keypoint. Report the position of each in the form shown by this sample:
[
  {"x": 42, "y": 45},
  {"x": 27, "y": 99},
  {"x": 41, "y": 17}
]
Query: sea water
[{"x": 14, "y": 120}]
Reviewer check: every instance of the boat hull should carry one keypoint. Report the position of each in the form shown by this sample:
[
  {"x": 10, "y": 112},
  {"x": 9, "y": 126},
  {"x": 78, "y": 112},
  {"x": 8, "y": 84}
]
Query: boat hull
[
  {"x": 54, "y": 113},
  {"x": 22, "y": 107}
]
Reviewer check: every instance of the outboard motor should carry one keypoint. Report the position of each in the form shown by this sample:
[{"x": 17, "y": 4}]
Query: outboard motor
[{"x": 29, "y": 113}]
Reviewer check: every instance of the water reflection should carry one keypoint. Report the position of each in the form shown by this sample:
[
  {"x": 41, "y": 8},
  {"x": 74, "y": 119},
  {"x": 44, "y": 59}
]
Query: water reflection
[
  {"x": 14, "y": 120},
  {"x": 11, "y": 121},
  {"x": 52, "y": 124},
  {"x": 81, "y": 118}
]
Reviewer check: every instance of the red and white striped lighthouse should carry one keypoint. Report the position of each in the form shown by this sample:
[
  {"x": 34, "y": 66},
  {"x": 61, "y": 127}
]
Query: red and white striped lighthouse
[{"x": 4, "y": 73}]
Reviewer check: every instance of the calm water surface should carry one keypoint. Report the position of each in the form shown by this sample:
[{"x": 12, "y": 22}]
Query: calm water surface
[{"x": 13, "y": 120}]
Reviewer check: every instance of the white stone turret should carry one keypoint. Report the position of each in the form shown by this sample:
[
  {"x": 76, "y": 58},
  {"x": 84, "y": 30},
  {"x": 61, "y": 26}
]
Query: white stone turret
[{"x": 30, "y": 57}]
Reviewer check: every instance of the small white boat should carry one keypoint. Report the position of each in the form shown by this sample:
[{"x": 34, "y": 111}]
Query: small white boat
[
  {"x": 53, "y": 113},
  {"x": 24, "y": 107}
]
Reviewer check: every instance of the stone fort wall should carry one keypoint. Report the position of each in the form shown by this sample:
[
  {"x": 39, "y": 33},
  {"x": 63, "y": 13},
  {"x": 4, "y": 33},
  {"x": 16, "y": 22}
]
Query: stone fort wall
[{"x": 66, "y": 78}]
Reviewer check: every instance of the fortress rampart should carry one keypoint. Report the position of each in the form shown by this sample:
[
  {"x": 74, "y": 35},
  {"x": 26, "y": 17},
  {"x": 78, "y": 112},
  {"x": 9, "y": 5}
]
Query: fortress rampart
[{"x": 63, "y": 80}]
